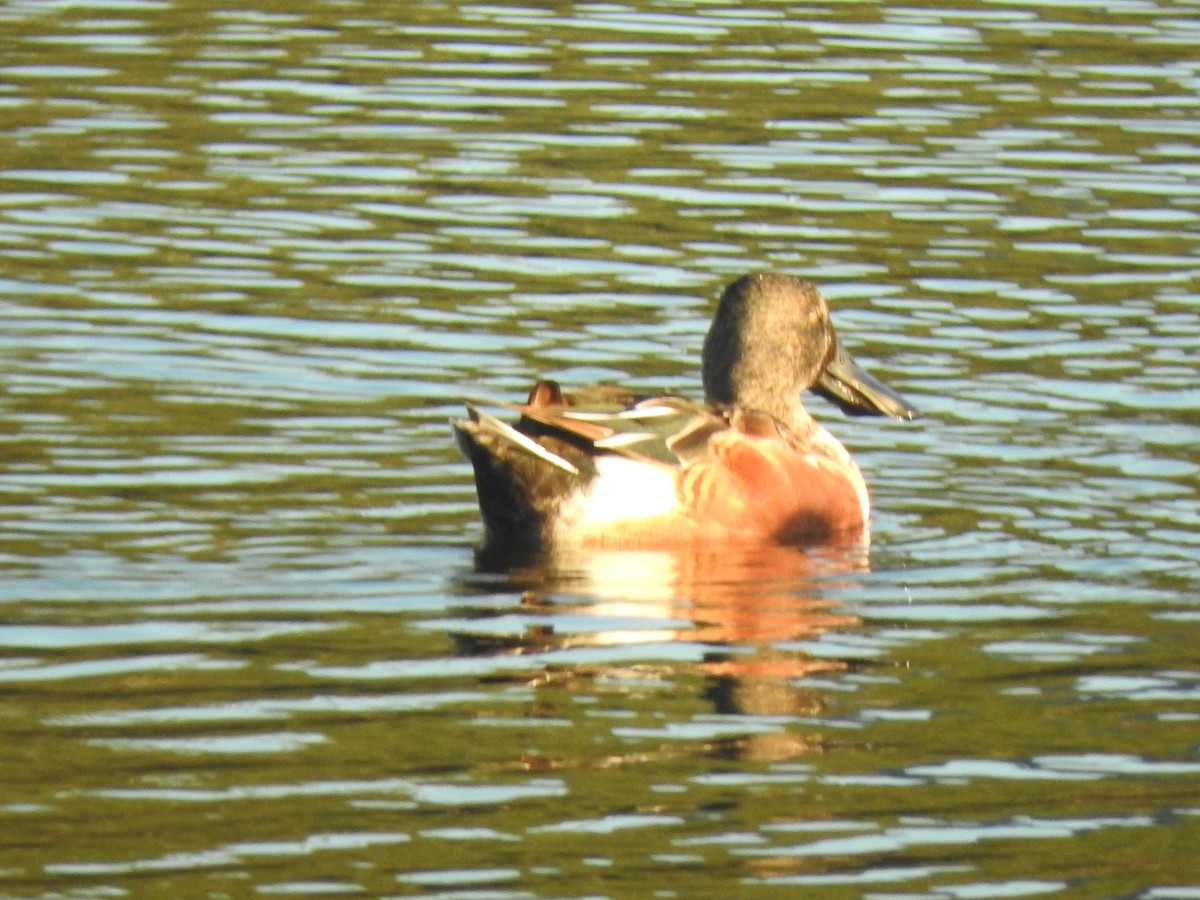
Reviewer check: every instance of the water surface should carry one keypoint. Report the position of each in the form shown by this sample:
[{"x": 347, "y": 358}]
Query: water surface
[{"x": 252, "y": 261}]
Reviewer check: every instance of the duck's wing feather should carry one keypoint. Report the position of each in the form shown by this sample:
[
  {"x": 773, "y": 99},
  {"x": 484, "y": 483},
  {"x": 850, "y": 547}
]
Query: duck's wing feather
[
  {"x": 664, "y": 430},
  {"x": 518, "y": 441}
]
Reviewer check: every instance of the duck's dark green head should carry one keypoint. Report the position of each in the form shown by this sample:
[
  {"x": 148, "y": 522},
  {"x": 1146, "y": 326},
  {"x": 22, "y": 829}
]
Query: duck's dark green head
[{"x": 771, "y": 338}]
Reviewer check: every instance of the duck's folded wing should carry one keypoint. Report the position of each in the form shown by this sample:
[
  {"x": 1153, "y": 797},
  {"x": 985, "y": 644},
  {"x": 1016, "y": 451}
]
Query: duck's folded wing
[{"x": 665, "y": 430}]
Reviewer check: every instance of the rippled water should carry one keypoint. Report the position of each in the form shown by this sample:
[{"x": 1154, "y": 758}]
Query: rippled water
[{"x": 252, "y": 260}]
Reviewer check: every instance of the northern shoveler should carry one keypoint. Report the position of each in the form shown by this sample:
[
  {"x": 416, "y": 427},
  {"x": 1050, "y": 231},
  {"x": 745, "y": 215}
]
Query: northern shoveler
[{"x": 600, "y": 467}]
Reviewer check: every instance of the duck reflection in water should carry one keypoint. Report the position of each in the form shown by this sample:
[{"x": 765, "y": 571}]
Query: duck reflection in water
[{"x": 732, "y": 616}]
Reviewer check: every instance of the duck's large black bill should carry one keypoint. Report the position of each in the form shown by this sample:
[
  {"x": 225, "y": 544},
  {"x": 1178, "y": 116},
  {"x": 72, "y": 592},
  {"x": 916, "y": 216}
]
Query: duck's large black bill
[{"x": 858, "y": 393}]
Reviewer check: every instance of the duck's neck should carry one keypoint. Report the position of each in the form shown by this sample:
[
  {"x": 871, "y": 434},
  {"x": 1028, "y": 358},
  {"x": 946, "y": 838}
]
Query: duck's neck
[
  {"x": 753, "y": 383},
  {"x": 783, "y": 406},
  {"x": 797, "y": 419}
]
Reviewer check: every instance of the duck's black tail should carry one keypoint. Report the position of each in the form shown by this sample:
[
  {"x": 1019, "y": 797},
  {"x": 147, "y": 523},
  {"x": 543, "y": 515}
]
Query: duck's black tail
[{"x": 521, "y": 483}]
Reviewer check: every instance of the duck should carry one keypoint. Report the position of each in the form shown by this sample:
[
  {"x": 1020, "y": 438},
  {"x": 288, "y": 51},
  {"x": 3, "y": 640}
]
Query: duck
[{"x": 603, "y": 467}]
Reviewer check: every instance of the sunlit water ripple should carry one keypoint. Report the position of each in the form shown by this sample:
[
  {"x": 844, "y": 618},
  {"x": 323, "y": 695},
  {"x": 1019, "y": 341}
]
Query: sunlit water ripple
[{"x": 252, "y": 261}]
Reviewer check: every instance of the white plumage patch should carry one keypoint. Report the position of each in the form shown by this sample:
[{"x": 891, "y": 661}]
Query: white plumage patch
[
  {"x": 623, "y": 439},
  {"x": 626, "y": 489}
]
